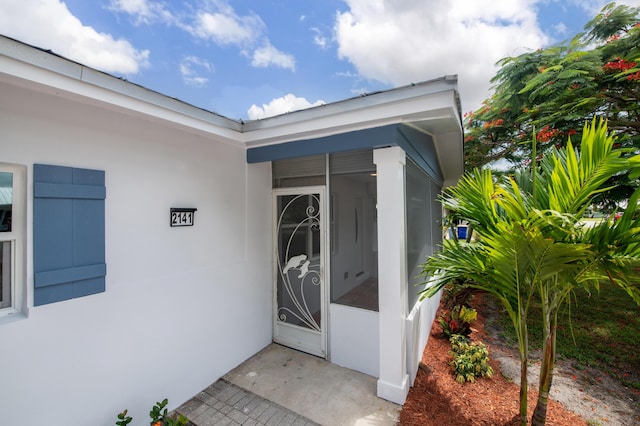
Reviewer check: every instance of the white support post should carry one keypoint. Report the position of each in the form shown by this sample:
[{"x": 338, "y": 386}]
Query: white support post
[{"x": 393, "y": 381}]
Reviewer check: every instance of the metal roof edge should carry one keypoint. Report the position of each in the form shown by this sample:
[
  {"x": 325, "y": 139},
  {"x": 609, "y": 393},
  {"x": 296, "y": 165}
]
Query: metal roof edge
[{"x": 413, "y": 90}]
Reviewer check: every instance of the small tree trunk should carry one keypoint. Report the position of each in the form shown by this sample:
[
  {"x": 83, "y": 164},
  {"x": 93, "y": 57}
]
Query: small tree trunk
[
  {"x": 524, "y": 385},
  {"x": 524, "y": 366},
  {"x": 539, "y": 417}
]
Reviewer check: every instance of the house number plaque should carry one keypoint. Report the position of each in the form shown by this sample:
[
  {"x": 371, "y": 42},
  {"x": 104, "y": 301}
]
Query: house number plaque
[{"x": 182, "y": 216}]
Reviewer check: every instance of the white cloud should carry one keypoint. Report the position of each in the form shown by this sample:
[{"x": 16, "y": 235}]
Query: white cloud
[
  {"x": 404, "y": 41},
  {"x": 201, "y": 62},
  {"x": 226, "y": 27},
  {"x": 283, "y": 105},
  {"x": 191, "y": 68},
  {"x": 560, "y": 28},
  {"x": 50, "y": 25},
  {"x": 592, "y": 7},
  {"x": 346, "y": 74},
  {"x": 319, "y": 39},
  {"x": 143, "y": 11},
  {"x": 359, "y": 91},
  {"x": 268, "y": 55},
  {"x": 219, "y": 23}
]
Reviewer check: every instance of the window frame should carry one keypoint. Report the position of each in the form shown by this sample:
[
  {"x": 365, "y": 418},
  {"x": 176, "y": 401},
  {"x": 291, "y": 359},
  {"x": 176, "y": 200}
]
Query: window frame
[{"x": 16, "y": 239}]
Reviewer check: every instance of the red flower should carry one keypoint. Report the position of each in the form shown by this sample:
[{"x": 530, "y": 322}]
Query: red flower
[
  {"x": 546, "y": 134},
  {"x": 494, "y": 123},
  {"x": 613, "y": 38},
  {"x": 618, "y": 65},
  {"x": 634, "y": 76}
]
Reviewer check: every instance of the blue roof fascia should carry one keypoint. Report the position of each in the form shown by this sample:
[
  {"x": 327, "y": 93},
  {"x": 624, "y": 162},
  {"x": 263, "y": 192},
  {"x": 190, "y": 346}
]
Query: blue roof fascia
[
  {"x": 376, "y": 137},
  {"x": 420, "y": 148}
]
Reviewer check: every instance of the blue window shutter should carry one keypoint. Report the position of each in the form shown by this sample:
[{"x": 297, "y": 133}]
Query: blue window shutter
[{"x": 68, "y": 233}]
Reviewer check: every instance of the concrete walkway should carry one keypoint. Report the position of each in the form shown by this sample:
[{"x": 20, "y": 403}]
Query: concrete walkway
[
  {"x": 281, "y": 386},
  {"x": 224, "y": 403}
]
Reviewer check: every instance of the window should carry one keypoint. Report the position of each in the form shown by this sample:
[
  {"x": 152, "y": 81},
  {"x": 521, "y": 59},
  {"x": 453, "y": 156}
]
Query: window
[
  {"x": 421, "y": 233},
  {"x": 12, "y": 188},
  {"x": 6, "y": 208},
  {"x": 6, "y": 282}
]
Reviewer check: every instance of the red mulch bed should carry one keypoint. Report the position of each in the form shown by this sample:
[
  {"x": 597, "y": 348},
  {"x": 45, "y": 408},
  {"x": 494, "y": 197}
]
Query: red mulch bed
[{"x": 437, "y": 399}]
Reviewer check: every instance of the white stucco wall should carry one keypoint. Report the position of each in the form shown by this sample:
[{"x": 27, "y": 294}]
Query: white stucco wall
[
  {"x": 354, "y": 335},
  {"x": 182, "y": 305}
]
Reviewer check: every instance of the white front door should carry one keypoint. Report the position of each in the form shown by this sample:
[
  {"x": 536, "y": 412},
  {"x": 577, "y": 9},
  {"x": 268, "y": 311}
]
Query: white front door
[{"x": 300, "y": 293}]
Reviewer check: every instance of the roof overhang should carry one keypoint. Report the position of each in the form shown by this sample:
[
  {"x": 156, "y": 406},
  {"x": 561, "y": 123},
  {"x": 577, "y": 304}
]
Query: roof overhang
[{"x": 431, "y": 107}]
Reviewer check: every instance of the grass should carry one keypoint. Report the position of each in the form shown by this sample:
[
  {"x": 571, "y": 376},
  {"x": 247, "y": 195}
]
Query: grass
[{"x": 598, "y": 330}]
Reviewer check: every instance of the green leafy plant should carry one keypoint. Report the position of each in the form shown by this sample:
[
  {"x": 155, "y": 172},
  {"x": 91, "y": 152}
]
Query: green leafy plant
[
  {"x": 123, "y": 419},
  {"x": 458, "y": 292},
  {"x": 458, "y": 320},
  {"x": 159, "y": 416},
  {"x": 470, "y": 359}
]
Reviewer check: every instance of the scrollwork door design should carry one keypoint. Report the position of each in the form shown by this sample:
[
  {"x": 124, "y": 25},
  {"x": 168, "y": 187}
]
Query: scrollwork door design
[{"x": 299, "y": 288}]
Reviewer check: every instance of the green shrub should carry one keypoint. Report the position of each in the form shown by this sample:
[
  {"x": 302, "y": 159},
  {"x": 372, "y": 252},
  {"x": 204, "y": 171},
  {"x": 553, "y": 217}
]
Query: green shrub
[
  {"x": 470, "y": 360},
  {"x": 458, "y": 292},
  {"x": 457, "y": 320}
]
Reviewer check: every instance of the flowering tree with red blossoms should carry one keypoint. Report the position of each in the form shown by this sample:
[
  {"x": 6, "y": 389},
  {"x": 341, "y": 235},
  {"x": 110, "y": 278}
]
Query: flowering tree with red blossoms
[{"x": 554, "y": 91}]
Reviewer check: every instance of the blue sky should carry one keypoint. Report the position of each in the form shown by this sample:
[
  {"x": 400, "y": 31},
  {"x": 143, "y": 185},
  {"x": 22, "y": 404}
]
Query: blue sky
[{"x": 250, "y": 59}]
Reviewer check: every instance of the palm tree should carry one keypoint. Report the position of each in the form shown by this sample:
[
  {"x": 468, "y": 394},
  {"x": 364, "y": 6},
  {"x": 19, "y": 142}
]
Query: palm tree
[
  {"x": 530, "y": 241},
  {"x": 570, "y": 180}
]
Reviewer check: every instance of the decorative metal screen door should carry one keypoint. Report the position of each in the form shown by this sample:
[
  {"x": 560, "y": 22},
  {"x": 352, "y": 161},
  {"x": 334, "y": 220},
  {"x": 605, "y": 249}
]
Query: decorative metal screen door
[{"x": 300, "y": 295}]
